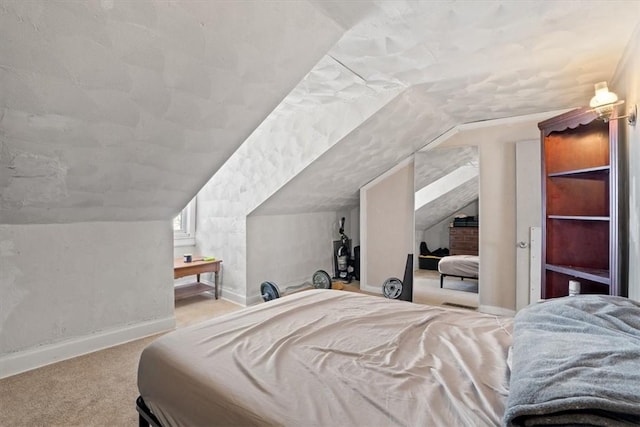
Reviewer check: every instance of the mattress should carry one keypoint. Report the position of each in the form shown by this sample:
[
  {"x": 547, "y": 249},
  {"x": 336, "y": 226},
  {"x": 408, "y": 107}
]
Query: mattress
[
  {"x": 459, "y": 265},
  {"x": 327, "y": 358}
]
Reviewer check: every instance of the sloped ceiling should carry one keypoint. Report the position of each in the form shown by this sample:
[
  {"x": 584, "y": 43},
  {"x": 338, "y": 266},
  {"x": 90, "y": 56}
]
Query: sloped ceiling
[
  {"x": 461, "y": 62},
  {"x": 447, "y": 205},
  {"x": 334, "y": 179},
  {"x": 429, "y": 166},
  {"x": 437, "y": 164},
  {"x": 121, "y": 110}
]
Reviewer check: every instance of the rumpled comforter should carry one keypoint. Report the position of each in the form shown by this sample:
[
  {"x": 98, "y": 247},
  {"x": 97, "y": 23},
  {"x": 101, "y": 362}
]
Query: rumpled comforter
[
  {"x": 331, "y": 358},
  {"x": 576, "y": 361}
]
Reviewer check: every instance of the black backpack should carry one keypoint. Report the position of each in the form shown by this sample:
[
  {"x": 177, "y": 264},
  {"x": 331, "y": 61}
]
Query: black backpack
[{"x": 424, "y": 250}]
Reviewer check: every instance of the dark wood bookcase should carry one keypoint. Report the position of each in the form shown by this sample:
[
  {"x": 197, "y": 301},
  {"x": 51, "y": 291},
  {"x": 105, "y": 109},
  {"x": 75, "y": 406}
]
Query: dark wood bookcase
[{"x": 580, "y": 204}]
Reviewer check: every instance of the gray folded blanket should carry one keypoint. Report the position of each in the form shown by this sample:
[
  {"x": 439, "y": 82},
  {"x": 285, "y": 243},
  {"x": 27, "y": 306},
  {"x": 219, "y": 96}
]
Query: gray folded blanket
[{"x": 576, "y": 362}]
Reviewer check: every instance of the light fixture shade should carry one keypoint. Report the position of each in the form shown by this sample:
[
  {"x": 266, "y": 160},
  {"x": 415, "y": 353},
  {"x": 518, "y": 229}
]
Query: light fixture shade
[
  {"x": 602, "y": 96},
  {"x": 604, "y": 102}
]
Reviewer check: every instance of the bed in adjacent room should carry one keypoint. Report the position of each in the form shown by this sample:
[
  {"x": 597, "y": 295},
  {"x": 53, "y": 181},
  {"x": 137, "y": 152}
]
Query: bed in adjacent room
[
  {"x": 328, "y": 358},
  {"x": 462, "y": 266}
]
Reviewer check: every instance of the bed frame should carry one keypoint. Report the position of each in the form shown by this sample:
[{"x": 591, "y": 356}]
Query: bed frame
[
  {"x": 145, "y": 417},
  {"x": 459, "y": 265},
  {"x": 442, "y": 276}
]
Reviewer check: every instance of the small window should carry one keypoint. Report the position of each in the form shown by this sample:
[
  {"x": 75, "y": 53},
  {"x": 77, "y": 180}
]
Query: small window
[{"x": 184, "y": 226}]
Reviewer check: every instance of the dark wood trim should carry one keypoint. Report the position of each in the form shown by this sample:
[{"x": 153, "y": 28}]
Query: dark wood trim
[
  {"x": 543, "y": 243},
  {"x": 614, "y": 266},
  {"x": 586, "y": 173},
  {"x": 593, "y": 274},
  {"x": 569, "y": 120}
]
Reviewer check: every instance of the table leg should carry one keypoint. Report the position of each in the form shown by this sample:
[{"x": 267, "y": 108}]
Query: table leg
[
  {"x": 198, "y": 277},
  {"x": 215, "y": 282}
]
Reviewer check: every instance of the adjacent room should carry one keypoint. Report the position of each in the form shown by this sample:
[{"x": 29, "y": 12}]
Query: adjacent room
[{"x": 375, "y": 211}]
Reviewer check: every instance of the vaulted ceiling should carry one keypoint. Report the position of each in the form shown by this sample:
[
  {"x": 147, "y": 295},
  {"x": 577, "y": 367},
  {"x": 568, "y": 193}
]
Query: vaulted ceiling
[
  {"x": 458, "y": 62},
  {"x": 117, "y": 110},
  {"x": 445, "y": 181},
  {"x": 122, "y": 110}
]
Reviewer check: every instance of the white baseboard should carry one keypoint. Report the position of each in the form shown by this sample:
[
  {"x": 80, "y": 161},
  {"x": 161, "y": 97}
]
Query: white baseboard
[
  {"x": 228, "y": 294},
  {"x": 233, "y": 296},
  {"x": 22, "y": 361},
  {"x": 372, "y": 289},
  {"x": 254, "y": 299},
  {"x": 498, "y": 311}
]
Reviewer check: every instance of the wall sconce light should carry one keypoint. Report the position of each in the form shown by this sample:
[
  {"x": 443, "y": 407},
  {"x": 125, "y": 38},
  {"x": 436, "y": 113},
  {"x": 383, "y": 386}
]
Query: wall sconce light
[{"x": 604, "y": 103}]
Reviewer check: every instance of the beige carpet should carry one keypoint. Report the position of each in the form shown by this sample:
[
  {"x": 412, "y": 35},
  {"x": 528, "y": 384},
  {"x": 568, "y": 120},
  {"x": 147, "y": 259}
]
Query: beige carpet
[
  {"x": 98, "y": 389},
  {"x": 426, "y": 290},
  {"x": 456, "y": 292}
]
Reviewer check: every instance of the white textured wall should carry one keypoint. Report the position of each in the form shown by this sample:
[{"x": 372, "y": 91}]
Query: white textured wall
[
  {"x": 179, "y": 251},
  {"x": 225, "y": 238},
  {"x": 627, "y": 85},
  {"x": 389, "y": 227},
  {"x": 288, "y": 249},
  {"x": 69, "y": 281}
]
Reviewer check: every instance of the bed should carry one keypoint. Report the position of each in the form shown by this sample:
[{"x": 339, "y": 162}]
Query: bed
[
  {"x": 462, "y": 266},
  {"x": 328, "y": 358}
]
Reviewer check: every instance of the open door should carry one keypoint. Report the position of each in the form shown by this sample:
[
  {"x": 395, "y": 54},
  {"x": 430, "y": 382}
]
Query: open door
[{"x": 528, "y": 221}]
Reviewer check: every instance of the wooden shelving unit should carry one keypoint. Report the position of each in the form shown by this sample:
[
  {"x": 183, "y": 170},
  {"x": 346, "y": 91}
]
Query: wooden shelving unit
[
  {"x": 192, "y": 289},
  {"x": 580, "y": 204}
]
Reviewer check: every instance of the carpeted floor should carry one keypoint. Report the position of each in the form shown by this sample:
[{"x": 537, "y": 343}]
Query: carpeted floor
[
  {"x": 98, "y": 389},
  {"x": 456, "y": 292},
  {"x": 426, "y": 290}
]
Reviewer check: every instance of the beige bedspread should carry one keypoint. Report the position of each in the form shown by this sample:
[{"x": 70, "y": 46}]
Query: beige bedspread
[{"x": 331, "y": 358}]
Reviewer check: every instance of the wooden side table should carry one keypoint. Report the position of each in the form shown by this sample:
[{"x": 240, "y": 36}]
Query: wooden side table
[{"x": 196, "y": 267}]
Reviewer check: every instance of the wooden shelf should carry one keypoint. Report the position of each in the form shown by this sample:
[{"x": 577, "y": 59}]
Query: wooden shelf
[
  {"x": 593, "y": 274},
  {"x": 579, "y": 204},
  {"x": 587, "y": 173},
  {"x": 191, "y": 289},
  {"x": 579, "y": 217}
]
